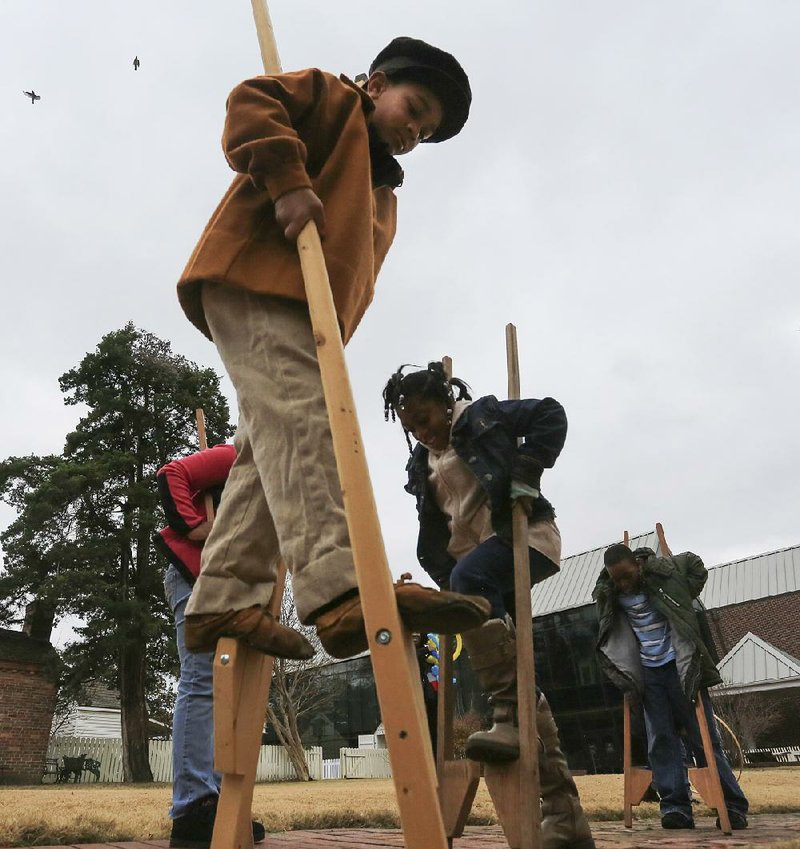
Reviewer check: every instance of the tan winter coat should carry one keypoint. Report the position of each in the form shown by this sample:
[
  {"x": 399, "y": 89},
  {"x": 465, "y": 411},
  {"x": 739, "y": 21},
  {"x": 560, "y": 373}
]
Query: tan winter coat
[{"x": 302, "y": 129}]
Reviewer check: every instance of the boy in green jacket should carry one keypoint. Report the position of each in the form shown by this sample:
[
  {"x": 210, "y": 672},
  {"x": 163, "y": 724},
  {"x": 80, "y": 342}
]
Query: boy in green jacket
[
  {"x": 307, "y": 146},
  {"x": 651, "y": 645}
]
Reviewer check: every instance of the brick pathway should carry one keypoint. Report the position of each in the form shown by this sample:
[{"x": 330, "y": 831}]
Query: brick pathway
[{"x": 765, "y": 829}]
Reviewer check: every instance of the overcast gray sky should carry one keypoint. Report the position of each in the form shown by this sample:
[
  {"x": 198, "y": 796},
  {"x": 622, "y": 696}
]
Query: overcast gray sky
[{"x": 625, "y": 191}]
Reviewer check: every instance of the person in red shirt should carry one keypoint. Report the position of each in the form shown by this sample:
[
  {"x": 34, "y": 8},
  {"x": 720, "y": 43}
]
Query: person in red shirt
[{"x": 183, "y": 485}]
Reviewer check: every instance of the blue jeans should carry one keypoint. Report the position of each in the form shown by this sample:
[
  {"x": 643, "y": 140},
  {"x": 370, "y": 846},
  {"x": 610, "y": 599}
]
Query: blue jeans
[
  {"x": 488, "y": 571},
  {"x": 193, "y": 775},
  {"x": 666, "y": 710}
]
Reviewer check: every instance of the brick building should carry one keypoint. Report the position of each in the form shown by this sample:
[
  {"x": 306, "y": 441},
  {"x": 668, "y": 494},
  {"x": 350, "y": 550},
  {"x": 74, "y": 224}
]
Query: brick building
[
  {"x": 754, "y": 605},
  {"x": 28, "y": 687}
]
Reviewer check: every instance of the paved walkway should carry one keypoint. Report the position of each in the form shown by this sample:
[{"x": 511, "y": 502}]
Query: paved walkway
[{"x": 765, "y": 829}]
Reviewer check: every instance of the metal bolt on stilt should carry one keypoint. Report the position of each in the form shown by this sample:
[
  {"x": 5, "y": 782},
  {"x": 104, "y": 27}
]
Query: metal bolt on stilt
[
  {"x": 383, "y": 637},
  {"x": 224, "y": 659}
]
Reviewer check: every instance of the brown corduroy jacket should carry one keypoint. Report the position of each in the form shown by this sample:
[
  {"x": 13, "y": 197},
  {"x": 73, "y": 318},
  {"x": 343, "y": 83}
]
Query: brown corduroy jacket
[{"x": 288, "y": 131}]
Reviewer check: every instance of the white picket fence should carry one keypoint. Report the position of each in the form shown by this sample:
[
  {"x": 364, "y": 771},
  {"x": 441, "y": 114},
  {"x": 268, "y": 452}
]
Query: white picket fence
[
  {"x": 273, "y": 762},
  {"x": 780, "y": 754},
  {"x": 364, "y": 763},
  {"x": 332, "y": 768}
]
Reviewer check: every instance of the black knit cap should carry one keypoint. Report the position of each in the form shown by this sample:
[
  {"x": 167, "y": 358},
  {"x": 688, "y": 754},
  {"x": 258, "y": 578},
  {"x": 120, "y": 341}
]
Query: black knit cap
[{"x": 435, "y": 69}]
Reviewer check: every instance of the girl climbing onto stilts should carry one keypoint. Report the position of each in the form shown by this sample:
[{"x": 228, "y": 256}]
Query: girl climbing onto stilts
[{"x": 465, "y": 472}]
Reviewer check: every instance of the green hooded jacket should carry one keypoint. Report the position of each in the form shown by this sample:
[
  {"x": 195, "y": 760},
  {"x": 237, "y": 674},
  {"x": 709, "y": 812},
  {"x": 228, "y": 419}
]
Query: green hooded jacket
[{"x": 671, "y": 584}]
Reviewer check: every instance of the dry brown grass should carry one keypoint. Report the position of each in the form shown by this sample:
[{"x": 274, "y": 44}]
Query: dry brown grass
[
  {"x": 788, "y": 844},
  {"x": 768, "y": 791},
  {"x": 89, "y": 813}
]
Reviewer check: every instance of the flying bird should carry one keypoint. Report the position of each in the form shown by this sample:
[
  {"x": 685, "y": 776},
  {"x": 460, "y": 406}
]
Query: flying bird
[
  {"x": 33, "y": 96},
  {"x": 136, "y": 63}
]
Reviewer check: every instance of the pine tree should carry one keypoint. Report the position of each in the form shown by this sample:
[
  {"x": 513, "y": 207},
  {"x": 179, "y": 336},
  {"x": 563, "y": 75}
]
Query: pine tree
[{"x": 82, "y": 539}]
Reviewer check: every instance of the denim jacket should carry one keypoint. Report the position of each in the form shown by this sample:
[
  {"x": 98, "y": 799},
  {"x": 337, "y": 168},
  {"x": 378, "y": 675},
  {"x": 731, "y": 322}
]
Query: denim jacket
[{"x": 485, "y": 438}]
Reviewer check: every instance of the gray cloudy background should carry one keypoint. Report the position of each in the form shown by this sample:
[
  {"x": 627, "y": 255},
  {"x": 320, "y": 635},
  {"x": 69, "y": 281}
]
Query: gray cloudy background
[{"x": 625, "y": 191}]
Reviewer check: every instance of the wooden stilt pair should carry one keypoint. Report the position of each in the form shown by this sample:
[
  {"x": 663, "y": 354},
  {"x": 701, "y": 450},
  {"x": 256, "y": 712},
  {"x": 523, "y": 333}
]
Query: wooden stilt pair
[
  {"x": 434, "y": 805},
  {"x": 704, "y": 779},
  {"x": 242, "y": 676}
]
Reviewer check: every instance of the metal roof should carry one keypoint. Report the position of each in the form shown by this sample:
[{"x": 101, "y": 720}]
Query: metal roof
[
  {"x": 755, "y": 664},
  {"x": 773, "y": 573},
  {"x": 573, "y": 585}
]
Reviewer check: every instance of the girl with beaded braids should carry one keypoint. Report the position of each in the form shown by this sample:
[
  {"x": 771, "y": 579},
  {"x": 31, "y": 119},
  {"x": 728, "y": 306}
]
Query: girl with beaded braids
[{"x": 465, "y": 472}]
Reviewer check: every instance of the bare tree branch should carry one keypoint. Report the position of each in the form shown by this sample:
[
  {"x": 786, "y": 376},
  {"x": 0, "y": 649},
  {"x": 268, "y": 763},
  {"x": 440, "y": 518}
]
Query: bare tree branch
[
  {"x": 749, "y": 715},
  {"x": 297, "y": 690}
]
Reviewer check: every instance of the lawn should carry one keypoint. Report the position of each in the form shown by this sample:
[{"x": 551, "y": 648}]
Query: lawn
[{"x": 90, "y": 813}]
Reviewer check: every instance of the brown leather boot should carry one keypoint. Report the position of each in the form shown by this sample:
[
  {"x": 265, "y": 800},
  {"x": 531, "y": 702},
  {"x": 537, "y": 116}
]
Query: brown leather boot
[
  {"x": 253, "y": 626},
  {"x": 492, "y": 652},
  {"x": 564, "y": 824},
  {"x": 422, "y": 609}
]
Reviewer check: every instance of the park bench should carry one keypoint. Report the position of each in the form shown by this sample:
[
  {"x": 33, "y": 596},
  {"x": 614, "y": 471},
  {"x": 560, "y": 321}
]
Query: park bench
[
  {"x": 75, "y": 767},
  {"x": 51, "y": 770}
]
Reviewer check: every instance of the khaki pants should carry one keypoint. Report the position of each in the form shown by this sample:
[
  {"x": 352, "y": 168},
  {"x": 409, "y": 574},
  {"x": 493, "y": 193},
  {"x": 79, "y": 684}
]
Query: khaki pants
[{"x": 283, "y": 496}]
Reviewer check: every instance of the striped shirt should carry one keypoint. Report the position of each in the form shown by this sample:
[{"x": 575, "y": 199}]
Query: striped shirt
[{"x": 651, "y": 628}]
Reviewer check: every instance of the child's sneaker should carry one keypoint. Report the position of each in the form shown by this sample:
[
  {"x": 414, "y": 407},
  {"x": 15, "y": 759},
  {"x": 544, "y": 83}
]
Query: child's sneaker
[
  {"x": 738, "y": 821},
  {"x": 675, "y": 819},
  {"x": 194, "y": 829}
]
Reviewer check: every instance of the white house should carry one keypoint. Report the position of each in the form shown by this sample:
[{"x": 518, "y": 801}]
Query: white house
[{"x": 97, "y": 714}]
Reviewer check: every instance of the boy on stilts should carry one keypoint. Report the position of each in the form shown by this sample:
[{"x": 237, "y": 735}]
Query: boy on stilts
[{"x": 307, "y": 146}]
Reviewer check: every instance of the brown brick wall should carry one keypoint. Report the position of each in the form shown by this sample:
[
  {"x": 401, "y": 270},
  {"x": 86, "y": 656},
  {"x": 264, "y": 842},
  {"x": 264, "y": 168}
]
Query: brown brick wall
[
  {"x": 774, "y": 619},
  {"x": 27, "y": 701}
]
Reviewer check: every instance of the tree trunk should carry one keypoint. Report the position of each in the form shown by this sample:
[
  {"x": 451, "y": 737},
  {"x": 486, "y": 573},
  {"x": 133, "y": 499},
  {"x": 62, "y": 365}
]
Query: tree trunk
[
  {"x": 297, "y": 755},
  {"x": 135, "y": 739},
  {"x": 291, "y": 742}
]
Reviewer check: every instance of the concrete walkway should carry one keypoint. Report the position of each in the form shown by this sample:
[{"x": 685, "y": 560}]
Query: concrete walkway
[{"x": 765, "y": 830}]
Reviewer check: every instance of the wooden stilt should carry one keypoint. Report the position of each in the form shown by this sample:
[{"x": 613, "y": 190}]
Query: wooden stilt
[
  {"x": 200, "y": 418},
  {"x": 636, "y": 779},
  {"x": 393, "y": 660},
  {"x": 704, "y": 779},
  {"x": 515, "y": 787},
  {"x": 241, "y": 689},
  {"x": 242, "y": 678},
  {"x": 529, "y": 785},
  {"x": 666, "y": 551},
  {"x": 458, "y": 780},
  {"x": 394, "y": 665},
  {"x": 445, "y": 705},
  {"x": 445, "y": 709}
]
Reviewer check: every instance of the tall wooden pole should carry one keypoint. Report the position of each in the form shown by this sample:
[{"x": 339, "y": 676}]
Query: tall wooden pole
[
  {"x": 266, "y": 37},
  {"x": 530, "y": 791},
  {"x": 444, "y": 701},
  {"x": 201, "y": 438},
  {"x": 458, "y": 779},
  {"x": 666, "y": 551}
]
